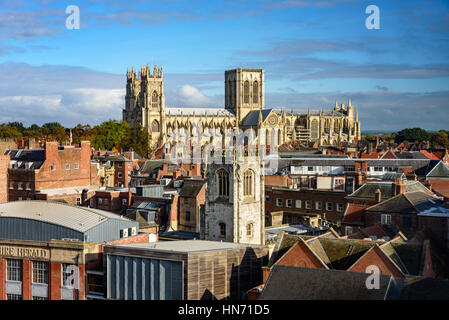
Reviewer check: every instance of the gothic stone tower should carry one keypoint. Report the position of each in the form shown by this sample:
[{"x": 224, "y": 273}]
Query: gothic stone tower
[
  {"x": 235, "y": 206},
  {"x": 244, "y": 91},
  {"x": 145, "y": 102}
]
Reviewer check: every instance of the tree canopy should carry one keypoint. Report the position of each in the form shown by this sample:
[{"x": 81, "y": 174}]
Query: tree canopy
[{"x": 110, "y": 135}]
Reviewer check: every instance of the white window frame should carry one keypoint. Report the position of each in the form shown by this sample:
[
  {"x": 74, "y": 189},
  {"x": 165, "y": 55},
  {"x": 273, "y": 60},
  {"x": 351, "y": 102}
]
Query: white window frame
[
  {"x": 298, "y": 202},
  {"x": 329, "y": 206},
  {"x": 14, "y": 269},
  {"x": 308, "y": 204},
  {"x": 76, "y": 166},
  {"x": 279, "y": 202},
  {"x": 78, "y": 201},
  {"x": 340, "y": 207},
  {"x": 42, "y": 272},
  {"x": 385, "y": 219},
  {"x": 318, "y": 205},
  {"x": 67, "y": 166},
  {"x": 288, "y": 203}
]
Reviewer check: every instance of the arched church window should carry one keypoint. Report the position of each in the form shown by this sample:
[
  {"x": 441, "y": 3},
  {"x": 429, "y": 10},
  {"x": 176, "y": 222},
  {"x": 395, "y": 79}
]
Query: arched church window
[
  {"x": 223, "y": 183},
  {"x": 154, "y": 100},
  {"x": 155, "y": 126},
  {"x": 248, "y": 183},
  {"x": 314, "y": 129},
  {"x": 246, "y": 92},
  {"x": 255, "y": 92}
]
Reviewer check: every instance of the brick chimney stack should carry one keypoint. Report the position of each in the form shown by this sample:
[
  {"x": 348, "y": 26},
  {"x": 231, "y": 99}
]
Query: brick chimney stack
[
  {"x": 399, "y": 186},
  {"x": 378, "y": 195}
]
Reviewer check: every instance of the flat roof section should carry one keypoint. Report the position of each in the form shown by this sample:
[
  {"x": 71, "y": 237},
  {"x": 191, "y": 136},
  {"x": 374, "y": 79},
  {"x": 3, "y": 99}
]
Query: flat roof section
[{"x": 185, "y": 246}]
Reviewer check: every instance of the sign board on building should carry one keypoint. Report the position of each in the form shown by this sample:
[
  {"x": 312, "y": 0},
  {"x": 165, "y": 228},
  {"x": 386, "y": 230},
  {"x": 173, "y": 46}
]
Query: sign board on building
[{"x": 24, "y": 252}]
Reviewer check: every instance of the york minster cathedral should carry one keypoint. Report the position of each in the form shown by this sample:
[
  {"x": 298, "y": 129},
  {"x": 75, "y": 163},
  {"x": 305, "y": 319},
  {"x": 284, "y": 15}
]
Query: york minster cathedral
[{"x": 244, "y": 108}]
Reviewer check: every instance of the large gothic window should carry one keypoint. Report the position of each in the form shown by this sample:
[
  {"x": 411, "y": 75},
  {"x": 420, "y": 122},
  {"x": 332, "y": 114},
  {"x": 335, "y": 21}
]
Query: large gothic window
[
  {"x": 154, "y": 100},
  {"x": 314, "y": 129},
  {"x": 155, "y": 126},
  {"x": 246, "y": 92},
  {"x": 230, "y": 94},
  {"x": 248, "y": 183},
  {"x": 255, "y": 92},
  {"x": 223, "y": 183}
]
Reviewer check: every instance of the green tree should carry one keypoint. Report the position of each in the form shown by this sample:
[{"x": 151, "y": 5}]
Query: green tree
[
  {"x": 9, "y": 132},
  {"x": 412, "y": 134},
  {"x": 439, "y": 139},
  {"x": 138, "y": 140},
  {"x": 110, "y": 134}
]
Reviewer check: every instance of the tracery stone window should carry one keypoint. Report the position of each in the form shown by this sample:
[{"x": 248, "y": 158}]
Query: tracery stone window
[
  {"x": 248, "y": 183},
  {"x": 255, "y": 92},
  {"x": 155, "y": 126},
  {"x": 314, "y": 129},
  {"x": 154, "y": 100},
  {"x": 246, "y": 92},
  {"x": 223, "y": 183}
]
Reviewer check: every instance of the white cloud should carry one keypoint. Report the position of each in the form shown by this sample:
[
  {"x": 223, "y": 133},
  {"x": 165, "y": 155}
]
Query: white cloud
[{"x": 188, "y": 96}]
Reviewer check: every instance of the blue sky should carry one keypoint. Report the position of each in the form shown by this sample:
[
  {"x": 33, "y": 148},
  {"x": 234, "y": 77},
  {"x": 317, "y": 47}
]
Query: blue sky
[{"x": 313, "y": 52}]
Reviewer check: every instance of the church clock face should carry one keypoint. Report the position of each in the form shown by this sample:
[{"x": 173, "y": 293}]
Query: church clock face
[{"x": 272, "y": 120}]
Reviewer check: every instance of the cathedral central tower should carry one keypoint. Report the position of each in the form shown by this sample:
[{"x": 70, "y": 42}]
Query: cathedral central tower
[{"x": 244, "y": 91}]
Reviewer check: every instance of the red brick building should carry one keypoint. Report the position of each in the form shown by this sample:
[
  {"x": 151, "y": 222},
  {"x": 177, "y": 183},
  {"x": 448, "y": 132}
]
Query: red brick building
[
  {"x": 62, "y": 258},
  {"x": 191, "y": 197},
  {"x": 55, "y": 172},
  {"x": 4, "y": 165},
  {"x": 330, "y": 205}
]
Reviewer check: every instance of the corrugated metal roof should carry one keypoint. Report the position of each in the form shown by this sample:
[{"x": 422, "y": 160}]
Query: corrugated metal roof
[{"x": 77, "y": 218}]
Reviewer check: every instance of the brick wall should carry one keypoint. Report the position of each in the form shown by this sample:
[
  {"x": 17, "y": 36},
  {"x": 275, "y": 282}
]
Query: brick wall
[
  {"x": 300, "y": 256},
  {"x": 46, "y": 178},
  {"x": 27, "y": 277},
  {"x": 54, "y": 277},
  {"x": 4, "y": 164},
  {"x": 333, "y": 197},
  {"x": 375, "y": 257},
  {"x": 61, "y": 177},
  {"x": 2, "y": 279}
]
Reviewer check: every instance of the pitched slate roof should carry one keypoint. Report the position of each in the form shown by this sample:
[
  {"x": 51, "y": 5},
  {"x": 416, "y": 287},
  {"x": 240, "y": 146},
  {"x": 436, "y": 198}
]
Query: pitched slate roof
[
  {"x": 252, "y": 118},
  {"x": 368, "y": 190},
  {"x": 410, "y": 155},
  {"x": 423, "y": 288},
  {"x": 409, "y": 202},
  {"x": 441, "y": 170},
  {"x": 26, "y": 158},
  {"x": 295, "y": 283},
  {"x": 424, "y": 169},
  {"x": 190, "y": 189}
]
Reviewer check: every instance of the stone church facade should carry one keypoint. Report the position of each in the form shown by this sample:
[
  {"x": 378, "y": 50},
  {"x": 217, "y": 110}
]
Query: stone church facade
[
  {"x": 235, "y": 207},
  {"x": 244, "y": 108}
]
